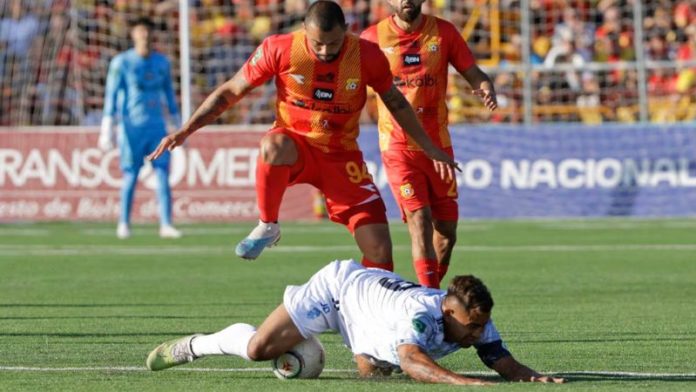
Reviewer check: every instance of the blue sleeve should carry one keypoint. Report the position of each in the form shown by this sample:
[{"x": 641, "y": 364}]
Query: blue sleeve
[
  {"x": 169, "y": 89},
  {"x": 114, "y": 82}
]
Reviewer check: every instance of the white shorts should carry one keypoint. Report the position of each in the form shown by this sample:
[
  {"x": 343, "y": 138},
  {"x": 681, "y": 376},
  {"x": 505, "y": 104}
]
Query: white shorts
[{"x": 313, "y": 306}]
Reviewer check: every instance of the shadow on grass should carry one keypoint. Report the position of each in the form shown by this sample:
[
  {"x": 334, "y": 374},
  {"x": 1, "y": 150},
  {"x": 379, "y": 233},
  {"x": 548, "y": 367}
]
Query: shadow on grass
[
  {"x": 624, "y": 376},
  {"x": 648, "y": 338}
]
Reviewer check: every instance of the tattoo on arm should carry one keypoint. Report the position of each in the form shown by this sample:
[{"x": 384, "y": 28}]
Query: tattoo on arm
[
  {"x": 394, "y": 100},
  {"x": 419, "y": 366},
  {"x": 424, "y": 373}
]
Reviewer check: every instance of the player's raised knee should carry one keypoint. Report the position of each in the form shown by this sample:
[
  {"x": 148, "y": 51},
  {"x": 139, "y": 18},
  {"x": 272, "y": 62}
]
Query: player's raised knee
[{"x": 278, "y": 149}]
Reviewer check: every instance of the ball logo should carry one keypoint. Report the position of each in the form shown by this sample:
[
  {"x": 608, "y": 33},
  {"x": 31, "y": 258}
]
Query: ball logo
[
  {"x": 433, "y": 45},
  {"x": 412, "y": 59},
  {"x": 406, "y": 191},
  {"x": 323, "y": 94},
  {"x": 352, "y": 84}
]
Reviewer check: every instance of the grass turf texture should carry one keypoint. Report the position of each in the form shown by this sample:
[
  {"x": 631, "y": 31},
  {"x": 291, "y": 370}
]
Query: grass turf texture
[{"x": 599, "y": 297}]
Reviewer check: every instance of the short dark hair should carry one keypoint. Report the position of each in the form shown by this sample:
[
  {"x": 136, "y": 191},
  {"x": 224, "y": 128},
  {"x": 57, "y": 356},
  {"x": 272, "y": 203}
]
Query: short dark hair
[
  {"x": 471, "y": 293},
  {"x": 326, "y": 15},
  {"x": 142, "y": 21}
]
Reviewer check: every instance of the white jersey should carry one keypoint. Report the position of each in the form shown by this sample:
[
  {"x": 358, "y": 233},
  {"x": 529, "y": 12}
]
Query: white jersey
[{"x": 375, "y": 311}]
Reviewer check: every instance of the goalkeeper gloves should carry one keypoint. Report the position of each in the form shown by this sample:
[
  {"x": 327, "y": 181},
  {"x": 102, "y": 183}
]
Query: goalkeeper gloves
[
  {"x": 107, "y": 135},
  {"x": 175, "y": 121}
]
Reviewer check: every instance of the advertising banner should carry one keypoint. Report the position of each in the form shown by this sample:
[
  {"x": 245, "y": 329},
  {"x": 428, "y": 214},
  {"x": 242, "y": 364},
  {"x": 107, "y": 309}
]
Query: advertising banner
[
  {"x": 60, "y": 174},
  {"x": 566, "y": 170},
  {"x": 506, "y": 172}
]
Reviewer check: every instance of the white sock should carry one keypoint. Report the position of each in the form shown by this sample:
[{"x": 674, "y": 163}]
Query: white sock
[
  {"x": 264, "y": 229},
  {"x": 232, "y": 340}
]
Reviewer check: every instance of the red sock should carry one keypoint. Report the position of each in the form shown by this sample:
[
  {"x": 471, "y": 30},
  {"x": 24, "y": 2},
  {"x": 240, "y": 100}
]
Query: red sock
[
  {"x": 371, "y": 264},
  {"x": 442, "y": 270},
  {"x": 271, "y": 182},
  {"x": 426, "y": 271}
]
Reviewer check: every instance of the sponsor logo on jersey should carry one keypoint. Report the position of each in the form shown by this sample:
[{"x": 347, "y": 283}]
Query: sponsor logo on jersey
[
  {"x": 323, "y": 94},
  {"x": 406, "y": 191},
  {"x": 411, "y": 60},
  {"x": 312, "y": 105},
  {"x": 314, "y": 313},
  {"x": 426, "y": 80},
  {"x": 257, "y": 56},
  {"x": 297, "y": 78},
  {"x": 352, "y": 84},
  {"x": 327, "y": 77},
  {"x": 388, "y": 50}
]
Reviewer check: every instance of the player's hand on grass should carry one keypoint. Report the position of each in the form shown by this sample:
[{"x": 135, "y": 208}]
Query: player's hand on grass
[
  {"x": 490, "y": 101},
  {"x": 168, "y": 143}
]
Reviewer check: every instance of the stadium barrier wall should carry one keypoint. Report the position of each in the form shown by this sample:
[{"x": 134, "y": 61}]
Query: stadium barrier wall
[
  {"x": 567, "y": 170},
  {"x": 507, "y": 172},
  {"x": 59, "y": 174}
]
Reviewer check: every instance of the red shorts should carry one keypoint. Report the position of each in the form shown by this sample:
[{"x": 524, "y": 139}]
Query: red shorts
[
  {"x": 415, "y": 184},
  {"x": 352, "y": 199}
]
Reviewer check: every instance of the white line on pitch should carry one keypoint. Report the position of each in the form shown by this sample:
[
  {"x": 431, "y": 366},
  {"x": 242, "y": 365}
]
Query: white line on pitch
[
  {"x": 182, "y": 250},
  {"x": 568, "y": 373}
]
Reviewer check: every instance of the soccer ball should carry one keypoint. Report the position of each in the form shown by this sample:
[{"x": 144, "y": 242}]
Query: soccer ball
[{"x": 306, "y": 360}]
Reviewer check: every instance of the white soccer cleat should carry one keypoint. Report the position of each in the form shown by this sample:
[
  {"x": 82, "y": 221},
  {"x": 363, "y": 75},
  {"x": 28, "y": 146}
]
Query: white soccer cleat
[
  {"x": 123, "y": 231},
  {"x": 171, "y": 353},
  {"x": 168, "y": 231},
  {"x": 263, "y": 236}
]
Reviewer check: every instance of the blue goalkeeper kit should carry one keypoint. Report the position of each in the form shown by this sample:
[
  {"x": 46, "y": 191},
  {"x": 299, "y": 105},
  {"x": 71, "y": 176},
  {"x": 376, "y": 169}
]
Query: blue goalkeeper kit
[{"x": 137, "y": 89}]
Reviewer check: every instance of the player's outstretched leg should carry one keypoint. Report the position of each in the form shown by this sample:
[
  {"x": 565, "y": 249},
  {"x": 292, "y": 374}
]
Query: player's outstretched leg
[
  {"x": 263, "y": 236},
  {"x": 171, "y": 353}
]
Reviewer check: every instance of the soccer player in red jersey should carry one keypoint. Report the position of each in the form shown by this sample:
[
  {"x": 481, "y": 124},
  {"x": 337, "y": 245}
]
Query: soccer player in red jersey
[
  {"x": 321, "y": 74},
  {"x": 419, "y": 49}
]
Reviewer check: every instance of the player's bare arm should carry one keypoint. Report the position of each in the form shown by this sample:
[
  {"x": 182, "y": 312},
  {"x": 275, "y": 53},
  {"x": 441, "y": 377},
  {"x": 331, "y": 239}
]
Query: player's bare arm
[
  {"x": 511, "y": 370},
  {"x": 220, "y": 100},
  {"x": 483, "y": 87},
  {"x": 403, "y": 113},
  {"x": 420, "y": 367}
]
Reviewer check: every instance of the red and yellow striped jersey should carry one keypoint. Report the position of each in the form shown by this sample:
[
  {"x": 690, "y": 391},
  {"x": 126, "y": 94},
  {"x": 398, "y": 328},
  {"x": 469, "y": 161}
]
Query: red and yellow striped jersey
[
  {"x": 419, "y": 62},
  {"x": 320, "y": 100}
]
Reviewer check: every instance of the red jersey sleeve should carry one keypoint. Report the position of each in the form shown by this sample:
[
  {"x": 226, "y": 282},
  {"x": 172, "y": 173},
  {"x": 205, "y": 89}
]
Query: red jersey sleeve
[
  {"x": 370, "y": 34},
  {"x": 460, "y": 55},
  {"x": 263, "y": 63},
  {"x": 375, "y": 67}
]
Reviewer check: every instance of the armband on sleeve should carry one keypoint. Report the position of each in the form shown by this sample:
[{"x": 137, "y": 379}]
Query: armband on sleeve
[{"x": 491, "y": 352}]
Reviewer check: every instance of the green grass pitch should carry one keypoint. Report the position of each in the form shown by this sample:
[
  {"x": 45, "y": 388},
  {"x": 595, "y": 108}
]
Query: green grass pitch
[{"x": 610, "y": 304}]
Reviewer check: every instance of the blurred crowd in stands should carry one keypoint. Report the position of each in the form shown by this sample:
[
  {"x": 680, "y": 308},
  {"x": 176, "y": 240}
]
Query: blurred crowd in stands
[{"x": 54, "y": 55}]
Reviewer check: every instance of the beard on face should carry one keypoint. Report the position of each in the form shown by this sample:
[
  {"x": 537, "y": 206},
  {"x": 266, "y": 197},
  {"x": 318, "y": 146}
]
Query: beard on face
[
  {"x": 409, "y": 14},
  {"x": 328, "y": 58}
]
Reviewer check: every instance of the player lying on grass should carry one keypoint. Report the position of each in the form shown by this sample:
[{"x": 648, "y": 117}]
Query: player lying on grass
[{"x": 387, "y": 323}]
